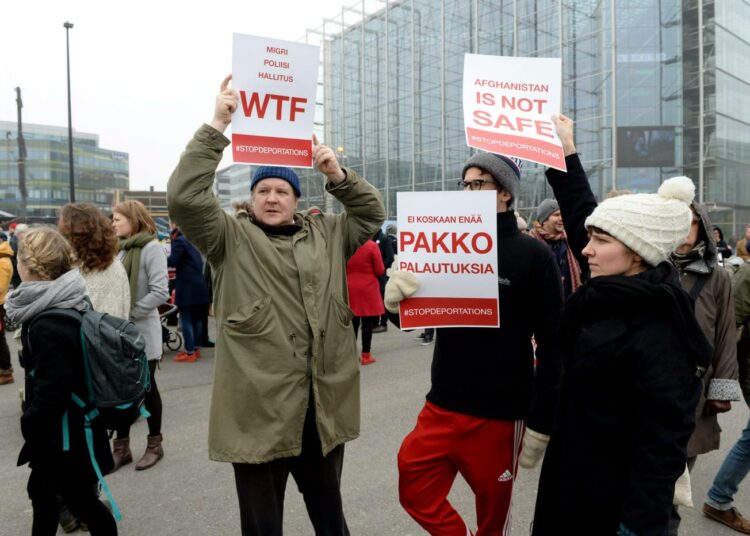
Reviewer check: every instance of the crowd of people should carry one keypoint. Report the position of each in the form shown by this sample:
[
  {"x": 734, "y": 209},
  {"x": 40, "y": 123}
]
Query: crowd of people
[{"x": 623, "y": 335}]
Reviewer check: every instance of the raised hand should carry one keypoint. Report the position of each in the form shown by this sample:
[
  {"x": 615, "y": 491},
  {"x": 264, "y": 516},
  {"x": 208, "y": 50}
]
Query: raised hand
[
  {"x": 226, "y": 103},
  {"x": 325, "y": 161},
  {"x": 564, "y": 127}
]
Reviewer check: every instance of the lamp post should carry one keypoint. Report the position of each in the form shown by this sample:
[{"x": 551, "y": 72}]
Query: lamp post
[{"x": 68, "y": 26}]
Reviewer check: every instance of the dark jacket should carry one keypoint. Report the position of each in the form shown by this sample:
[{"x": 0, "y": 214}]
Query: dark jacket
[
  {"x": 53, "y": 361},
  {"x": 190, "y": 284},
  {"x": 631, "y": 350},
  {"x": 489, "y": 372},
  {"x": 714, "y": 310}
]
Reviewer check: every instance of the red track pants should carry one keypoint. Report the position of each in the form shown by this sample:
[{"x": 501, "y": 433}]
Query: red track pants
[{"x": 444, "y": 443}]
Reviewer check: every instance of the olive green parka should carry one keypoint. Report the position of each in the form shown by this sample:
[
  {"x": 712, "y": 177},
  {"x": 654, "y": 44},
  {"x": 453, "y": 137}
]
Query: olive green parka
[{"x": 284, "y": 332}]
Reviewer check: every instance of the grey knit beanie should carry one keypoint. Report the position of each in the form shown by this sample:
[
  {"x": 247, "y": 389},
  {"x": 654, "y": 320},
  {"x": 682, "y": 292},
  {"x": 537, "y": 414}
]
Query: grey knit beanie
[
  {"x": 546, "y": 209},
  {"x": 505, "y": 171}
]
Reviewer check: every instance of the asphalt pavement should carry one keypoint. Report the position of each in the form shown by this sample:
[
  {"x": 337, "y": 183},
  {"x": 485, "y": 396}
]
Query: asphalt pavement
[{"x": 187, "y": 494}]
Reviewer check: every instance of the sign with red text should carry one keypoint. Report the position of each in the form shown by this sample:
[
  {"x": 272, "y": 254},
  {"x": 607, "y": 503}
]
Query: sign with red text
[
  {"x": 276, "y": 81},
  {"x": 448, "y": 240},
  {"x": 508, "y": 105}
]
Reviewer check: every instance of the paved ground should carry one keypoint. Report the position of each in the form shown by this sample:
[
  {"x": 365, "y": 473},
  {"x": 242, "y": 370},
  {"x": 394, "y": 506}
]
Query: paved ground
[{"x": 188, "y": 494}]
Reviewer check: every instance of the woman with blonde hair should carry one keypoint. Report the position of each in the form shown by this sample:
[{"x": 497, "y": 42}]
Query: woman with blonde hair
[
  {"x": 145, "y": 263},
  {"x": 95, "y": 244},
  {"x": 53, "y": 359}
]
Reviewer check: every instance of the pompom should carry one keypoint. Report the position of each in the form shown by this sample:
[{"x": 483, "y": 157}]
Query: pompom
[{"x": 679, "y": 188}]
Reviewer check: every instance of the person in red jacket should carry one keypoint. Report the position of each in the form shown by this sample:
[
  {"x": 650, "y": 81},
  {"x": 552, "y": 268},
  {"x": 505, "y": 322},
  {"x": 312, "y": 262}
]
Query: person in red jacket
[{"x": 362, "y": 272}]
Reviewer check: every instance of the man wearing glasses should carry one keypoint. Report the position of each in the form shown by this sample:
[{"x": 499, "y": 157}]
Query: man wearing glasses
[{"x": 485, "y": 388}]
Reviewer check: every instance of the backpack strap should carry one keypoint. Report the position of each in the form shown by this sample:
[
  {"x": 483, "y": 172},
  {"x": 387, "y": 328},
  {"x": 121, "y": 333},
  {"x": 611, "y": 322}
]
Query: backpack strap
[{"x": 700, "y": 282}]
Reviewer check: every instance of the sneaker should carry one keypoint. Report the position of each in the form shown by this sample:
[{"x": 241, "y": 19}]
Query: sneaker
[
  {"x": 68, "y": 522},
  {"x": 184, "y": 357},
  {"x": 420, "y": 336},
  {"x": 426, "y": 341},
  {"x": 731, "y": 518},
  {"x": 367, "y": 359},
  {"x": 379, "y": 329}
]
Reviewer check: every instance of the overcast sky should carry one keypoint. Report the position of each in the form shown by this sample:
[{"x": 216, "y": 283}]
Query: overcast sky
[{"x": 144, "y": 74}]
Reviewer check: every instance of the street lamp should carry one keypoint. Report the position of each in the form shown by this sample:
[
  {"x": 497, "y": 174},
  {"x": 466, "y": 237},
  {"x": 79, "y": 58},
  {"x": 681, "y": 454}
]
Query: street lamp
[{"x": 68, "y": 26}]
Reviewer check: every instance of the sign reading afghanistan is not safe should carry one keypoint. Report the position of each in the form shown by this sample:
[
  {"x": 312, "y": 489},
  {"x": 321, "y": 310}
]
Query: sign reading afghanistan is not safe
[
  {"x": 448, "y": 241},
  {"x": 508, "y": 107},
  {"x": 276, "y": 81}
]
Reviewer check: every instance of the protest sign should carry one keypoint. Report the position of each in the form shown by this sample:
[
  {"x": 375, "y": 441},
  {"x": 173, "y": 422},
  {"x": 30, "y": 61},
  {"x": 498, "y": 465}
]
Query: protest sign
[
  {"x": 276, "y": 81},
  {"x": 508, "y": 104},
  {"x": 448, "y": 241}
]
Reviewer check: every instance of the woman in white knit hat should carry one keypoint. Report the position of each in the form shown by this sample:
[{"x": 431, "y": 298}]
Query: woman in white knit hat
[{"x": 633, "y": 355}]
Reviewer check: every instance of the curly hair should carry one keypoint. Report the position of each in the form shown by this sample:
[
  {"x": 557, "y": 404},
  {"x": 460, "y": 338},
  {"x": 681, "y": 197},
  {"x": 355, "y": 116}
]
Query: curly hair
[
  {"x": 91, "y": 234},
  {"x": 45, "y": 253},
  {"x": 136, "y": 212}
]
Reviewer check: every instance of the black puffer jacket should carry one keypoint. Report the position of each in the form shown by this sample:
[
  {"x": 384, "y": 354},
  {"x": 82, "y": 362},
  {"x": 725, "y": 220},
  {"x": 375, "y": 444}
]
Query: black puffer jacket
[{"x": 53, "y": 361}]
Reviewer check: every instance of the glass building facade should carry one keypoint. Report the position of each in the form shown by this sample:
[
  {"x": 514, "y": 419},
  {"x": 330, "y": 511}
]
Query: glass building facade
[
  {"x": 98, "y": 172},
  {"x": 651, "y": 95}
]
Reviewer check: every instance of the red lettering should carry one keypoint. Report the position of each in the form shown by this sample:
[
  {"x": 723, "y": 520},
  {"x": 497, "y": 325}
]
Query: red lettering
[
  {"x": 459, "y": 241},
  {"x": 543, "y": 128},
  {"x": 422, "y": 243},
  {"x": 295, "y": 108},
  {"x": 247, "y": 108},
  {"x": 255, "y": 105},
  {"x": 475, "y": 242},
  {"x": 524, "y": 104},
  {"x": 439, "y": 242},
  {"x": 405, "y": 239},
  {"x": 482, "y": 118}
]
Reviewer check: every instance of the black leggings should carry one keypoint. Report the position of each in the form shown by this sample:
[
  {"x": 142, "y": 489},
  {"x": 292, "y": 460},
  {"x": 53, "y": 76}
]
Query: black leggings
[
  {"x": 152, "y": 401},
  {"x": 79, "y": 494},
  {"x": 368, "y": 322}
]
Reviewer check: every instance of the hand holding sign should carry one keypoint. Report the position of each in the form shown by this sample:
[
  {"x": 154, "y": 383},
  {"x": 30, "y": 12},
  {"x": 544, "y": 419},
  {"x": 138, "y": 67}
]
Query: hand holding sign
[
  {"x": 226, "y": 103},
  {"x": 325, "y": 161},
  {"x": 564, "y": 127}
]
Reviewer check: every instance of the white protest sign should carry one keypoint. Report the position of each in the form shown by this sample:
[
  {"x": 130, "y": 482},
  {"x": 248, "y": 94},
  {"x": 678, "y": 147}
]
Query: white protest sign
[
  {"x": 508, "y": 104},
  {"x": 448, "y": 241},
  {"x": 277, "y": 82}
]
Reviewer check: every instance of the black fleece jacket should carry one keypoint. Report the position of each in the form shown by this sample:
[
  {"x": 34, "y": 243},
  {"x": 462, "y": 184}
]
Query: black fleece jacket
[{"x": 489, "y": 372}]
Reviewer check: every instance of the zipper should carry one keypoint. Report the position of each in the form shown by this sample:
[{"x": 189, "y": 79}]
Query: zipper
[{"x": 323, "y": 349}]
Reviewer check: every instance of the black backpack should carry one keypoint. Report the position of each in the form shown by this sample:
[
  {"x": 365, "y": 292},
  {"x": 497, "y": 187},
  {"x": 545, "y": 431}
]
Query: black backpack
[{"x": 117, "y": 376}]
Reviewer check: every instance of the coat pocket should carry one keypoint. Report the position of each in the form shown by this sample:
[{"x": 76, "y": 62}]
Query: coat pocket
[
  {"x": 342, "y": 311},
  {"x": 251, "y": 318}
]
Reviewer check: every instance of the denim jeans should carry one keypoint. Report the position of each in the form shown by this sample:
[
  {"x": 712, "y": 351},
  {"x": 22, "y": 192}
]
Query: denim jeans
[
  {"x": 191, "y": 320},
  {"x": 736, "y": 466}
]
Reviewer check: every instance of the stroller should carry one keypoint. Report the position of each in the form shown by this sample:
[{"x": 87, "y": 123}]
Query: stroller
[{"x": 171, "y": 338}]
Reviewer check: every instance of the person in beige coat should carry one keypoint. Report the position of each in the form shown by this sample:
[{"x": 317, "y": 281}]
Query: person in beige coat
[
  {"x": 286, "y": 380},
  {"x": 710, "y": 286}
]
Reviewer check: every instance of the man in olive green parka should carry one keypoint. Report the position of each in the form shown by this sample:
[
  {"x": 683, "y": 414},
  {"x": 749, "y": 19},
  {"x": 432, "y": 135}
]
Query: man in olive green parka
[{"x": 286, "y": 382}]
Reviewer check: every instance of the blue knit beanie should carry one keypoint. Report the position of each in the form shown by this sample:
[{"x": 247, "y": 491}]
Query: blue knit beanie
[{"x": 274, "y": 172}]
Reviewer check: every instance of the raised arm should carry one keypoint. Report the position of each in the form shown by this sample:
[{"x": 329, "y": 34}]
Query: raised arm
[
  {"x": 365, "y": 212},
  {"x": 573, "y": 193},
  {"x": 192, "y": 204}
]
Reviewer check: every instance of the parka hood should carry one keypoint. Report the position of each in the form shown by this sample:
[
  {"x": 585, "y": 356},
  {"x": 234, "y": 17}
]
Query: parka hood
[{"x": 5, "y": 249}]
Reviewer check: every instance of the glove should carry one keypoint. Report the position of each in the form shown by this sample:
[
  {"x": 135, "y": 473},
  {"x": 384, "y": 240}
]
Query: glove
[
  {"x": 400, "y": 286},
  {"x": 534, "y": 445},
  {"x": 683, "y": 495}
]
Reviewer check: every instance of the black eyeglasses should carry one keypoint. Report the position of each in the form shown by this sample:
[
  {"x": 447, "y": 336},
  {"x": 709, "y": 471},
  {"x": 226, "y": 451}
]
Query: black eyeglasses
[{"x": 473, "y": 185}]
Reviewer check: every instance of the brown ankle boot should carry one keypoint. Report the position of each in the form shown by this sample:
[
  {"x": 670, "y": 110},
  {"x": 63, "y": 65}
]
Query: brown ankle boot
[
  {"x": 154, "y": 453},
  {"x": 121, "y": 453}
]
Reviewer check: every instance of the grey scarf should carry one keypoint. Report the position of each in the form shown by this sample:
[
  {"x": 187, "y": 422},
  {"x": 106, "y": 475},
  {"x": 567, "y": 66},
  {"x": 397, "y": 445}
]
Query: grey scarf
[
  {"x": 692, "y": 261},
  {"x": 31, "y": 298}
]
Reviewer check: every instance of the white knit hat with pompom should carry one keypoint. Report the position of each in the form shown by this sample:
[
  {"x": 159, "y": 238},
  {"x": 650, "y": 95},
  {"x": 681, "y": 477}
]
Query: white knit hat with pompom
[{"x": 652, "y": 225}]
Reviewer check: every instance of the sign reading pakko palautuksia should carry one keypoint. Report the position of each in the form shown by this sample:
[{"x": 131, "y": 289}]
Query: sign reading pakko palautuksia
[
  {"x": 448, "y": 241},
  {"x": 276, "y": 81}
]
